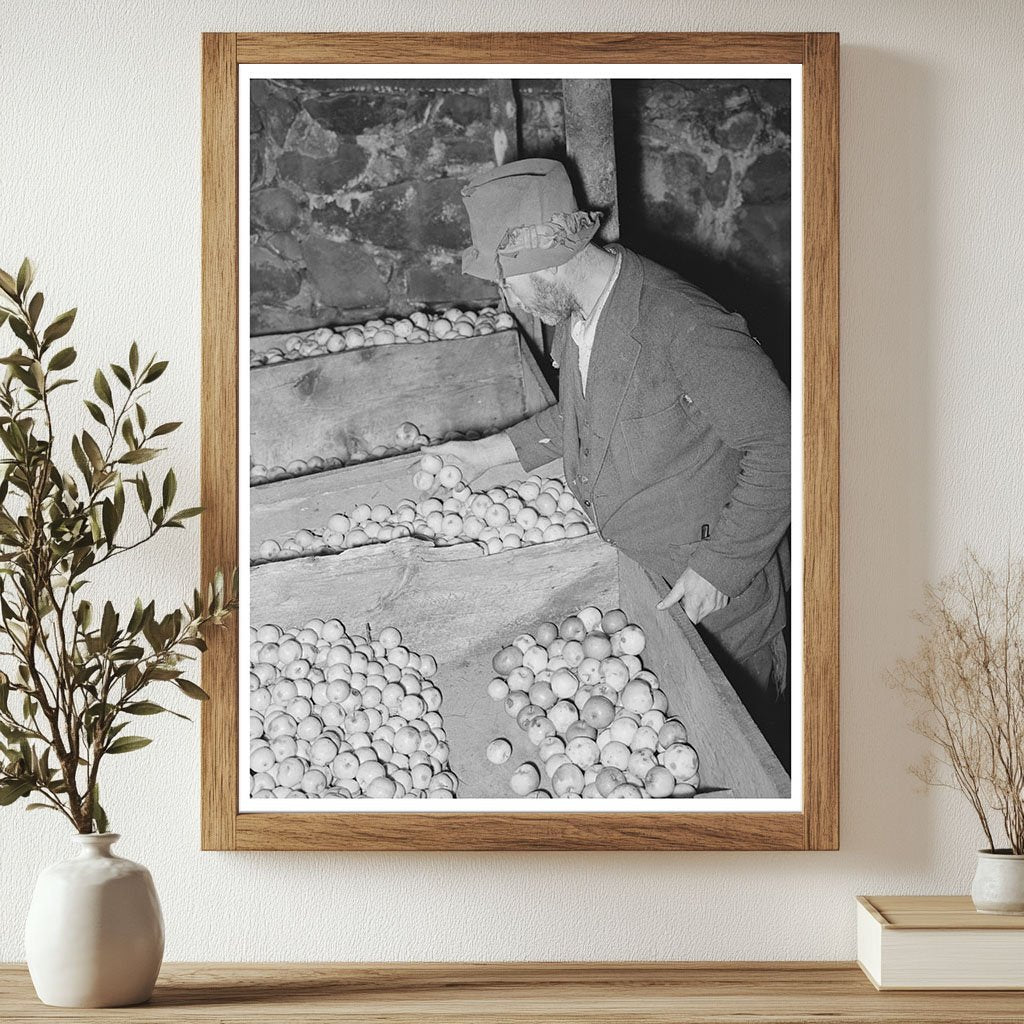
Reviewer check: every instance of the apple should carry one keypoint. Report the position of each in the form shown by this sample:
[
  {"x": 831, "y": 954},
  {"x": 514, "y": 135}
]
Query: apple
[
  {"x": 615, "y": 755},
  {"x": 567, "y": 779},
  {"x": 638, "y": 696},
  {"x": 525, "y": 779},
  {"x": 507, "y": 659},
  {"x": 431, "y": 463},
  {"x": 681, "y": 760},
  {"x": 499, "y": 751},
  {"x": 598, "y": 712}
]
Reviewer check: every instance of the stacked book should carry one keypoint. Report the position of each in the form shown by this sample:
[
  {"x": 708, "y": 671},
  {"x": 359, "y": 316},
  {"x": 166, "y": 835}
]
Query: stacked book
[{"x": 938, "y": 942}]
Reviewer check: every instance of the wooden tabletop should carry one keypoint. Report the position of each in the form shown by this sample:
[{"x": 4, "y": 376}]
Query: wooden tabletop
[{"x": 524, "y": 993}]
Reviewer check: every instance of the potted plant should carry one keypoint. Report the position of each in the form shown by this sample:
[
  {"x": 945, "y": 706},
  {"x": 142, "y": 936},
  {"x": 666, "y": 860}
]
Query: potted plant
[
  {"x": 967, "y": 682},
  {"x": 78, "y": 671}
]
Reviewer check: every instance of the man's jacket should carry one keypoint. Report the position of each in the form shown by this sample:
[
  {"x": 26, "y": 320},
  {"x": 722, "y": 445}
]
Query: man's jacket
[{"x": 680, "y": 450}]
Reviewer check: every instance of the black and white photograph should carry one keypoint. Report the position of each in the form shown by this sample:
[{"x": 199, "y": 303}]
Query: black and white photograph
[{"x": 523, "y": 507}]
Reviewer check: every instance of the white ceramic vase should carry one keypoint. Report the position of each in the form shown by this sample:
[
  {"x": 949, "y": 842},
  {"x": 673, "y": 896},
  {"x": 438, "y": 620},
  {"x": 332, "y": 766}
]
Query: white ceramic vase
[
  {"x": 999, "y": 882},
  {"x": 95, "y": 933}
]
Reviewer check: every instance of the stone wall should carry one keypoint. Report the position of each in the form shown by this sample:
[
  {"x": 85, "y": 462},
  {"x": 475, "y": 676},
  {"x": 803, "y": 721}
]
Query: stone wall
[
  {"x": 704, "y": 188},
  {"x": 356, "y": 207},
  {"x": 355, "y": 204}
]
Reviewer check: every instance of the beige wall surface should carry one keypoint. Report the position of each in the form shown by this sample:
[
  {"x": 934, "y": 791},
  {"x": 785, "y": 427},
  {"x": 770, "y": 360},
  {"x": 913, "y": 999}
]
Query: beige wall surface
[{"x": 99, "y": 182}]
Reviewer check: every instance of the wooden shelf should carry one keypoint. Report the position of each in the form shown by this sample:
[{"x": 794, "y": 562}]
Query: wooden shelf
[{"x": 524, "y": 993}]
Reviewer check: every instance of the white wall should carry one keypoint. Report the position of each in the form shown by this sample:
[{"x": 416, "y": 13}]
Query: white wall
[{"x": 99, "y": 182}]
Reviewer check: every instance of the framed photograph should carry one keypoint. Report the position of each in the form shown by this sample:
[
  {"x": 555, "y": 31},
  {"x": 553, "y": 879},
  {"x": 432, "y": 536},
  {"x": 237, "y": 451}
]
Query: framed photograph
[{"x": 520, "y": 418}]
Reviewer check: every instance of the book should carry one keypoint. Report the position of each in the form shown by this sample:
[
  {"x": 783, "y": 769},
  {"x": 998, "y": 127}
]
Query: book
[{"x": 938, "y": 942}]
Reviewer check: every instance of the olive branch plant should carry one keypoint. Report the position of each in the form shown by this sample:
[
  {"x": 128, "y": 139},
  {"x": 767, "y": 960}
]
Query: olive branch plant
[
  {"x": 966, "y": 681},
  {"x": 80, "y": 672}
]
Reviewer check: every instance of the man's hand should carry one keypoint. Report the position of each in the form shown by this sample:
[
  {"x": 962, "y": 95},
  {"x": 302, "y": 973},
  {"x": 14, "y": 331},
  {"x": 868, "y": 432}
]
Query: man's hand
[
  {"x": 699, "y": 597},
  {"x": 474, "y": 458}
]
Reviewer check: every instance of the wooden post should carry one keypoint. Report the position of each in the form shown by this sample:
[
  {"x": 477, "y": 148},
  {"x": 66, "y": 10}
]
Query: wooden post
[
  {"x": 505, "y": 139},
  {"x": 505, "y": 118},
  {"x": 590, "y": 147}
]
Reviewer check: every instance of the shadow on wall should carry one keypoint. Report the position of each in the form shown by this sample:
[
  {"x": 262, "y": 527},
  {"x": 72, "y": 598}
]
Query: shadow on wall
[
  {"x": 704, "y": 189},
  {"x": 887, "y": 326}
]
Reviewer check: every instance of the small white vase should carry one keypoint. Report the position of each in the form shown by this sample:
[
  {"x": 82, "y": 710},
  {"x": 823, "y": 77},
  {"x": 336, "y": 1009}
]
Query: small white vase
[
  {"x": 999, "y": 883},
  {"x": 95, "y": 933}
]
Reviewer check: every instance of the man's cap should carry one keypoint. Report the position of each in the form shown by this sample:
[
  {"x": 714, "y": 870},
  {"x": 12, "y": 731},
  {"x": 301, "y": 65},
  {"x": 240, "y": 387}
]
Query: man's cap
[{"x": 523, "y": 217}]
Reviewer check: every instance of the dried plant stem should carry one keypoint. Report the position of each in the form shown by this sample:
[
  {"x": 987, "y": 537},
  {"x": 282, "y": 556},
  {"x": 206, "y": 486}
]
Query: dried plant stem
[{"x": 967, "y": 682}]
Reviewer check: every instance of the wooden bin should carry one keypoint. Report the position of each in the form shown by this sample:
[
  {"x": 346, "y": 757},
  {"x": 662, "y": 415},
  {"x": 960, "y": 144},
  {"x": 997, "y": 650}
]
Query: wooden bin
[
  {"x": 311, "y": 406},
  {"x": 279, "y": 509},
  {"x": 461, "y": 606}
]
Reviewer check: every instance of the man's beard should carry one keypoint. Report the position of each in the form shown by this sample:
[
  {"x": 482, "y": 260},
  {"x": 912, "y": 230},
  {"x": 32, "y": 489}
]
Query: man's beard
[{"x": 551, "y": 301}]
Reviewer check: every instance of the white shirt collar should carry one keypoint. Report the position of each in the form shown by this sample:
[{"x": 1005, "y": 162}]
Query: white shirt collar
[{"x": 585, "y": 323}]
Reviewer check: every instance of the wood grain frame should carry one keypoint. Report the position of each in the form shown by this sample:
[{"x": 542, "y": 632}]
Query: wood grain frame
[{"x": 817, "y": 826}]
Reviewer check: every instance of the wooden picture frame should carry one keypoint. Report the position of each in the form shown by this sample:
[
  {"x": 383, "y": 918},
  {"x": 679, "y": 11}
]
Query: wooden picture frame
[{"x": 816, "y": 825}]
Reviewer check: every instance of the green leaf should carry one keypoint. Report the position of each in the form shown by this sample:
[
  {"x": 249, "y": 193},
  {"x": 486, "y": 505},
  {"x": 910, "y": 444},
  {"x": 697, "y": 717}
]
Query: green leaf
[
  {"x": 41, "y": 807},
  {"x": 108, "y": 624},
  {"x": 147, "y": 707},
  {"x": 170, "y": 488},
  {"x": 133, "y": 357},
  {"x": 170, "y": 674},
  {"x": 95, "y": 711},
  {"x": 26, "y": 274},
  {"x": 137, "y": 618},
  {"x": 145, "y": 497},
  {"x": 16, "y": 359},
  {"x": 60, "y": 326},
  {"x": 92, "y": 449},
  {"x": 14, "y": 790},
  {"x": 99, "y": 816},
  {"x": 20, "y": 328},
  {"x": 84, "y": 614},
  {"x": 35, "y": 307},
  {"x": 166, "y": 428},
  {"x": 81, "y": 461},
  {"x": 12, "y": 733},
  {"x": 155, "y": 371},
  {"x": 102, "y": 388},
  {"x": 8, "y": 284},
  {"x": 126, "y": 744},
  {"x": 191, "y": 690},
  {"x": 186, "y": 513},
  {"x": 143, "y": 707},
  {"x": 109, "y": 519},
  {"x": 130, "y": 653},
  {"x": 70, "y": 486},
  {"x": 121, "y": 374},
  {"x": 128, "y": 433},
  {"x": 96, "y": 412},
  {"x": 63, "y": 359},
  {"x": 139, "y": 455}
]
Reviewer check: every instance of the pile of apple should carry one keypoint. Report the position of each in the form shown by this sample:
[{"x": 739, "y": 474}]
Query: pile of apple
[
  {"x": 407, "y": 438},
  {"x": 334, "y": 715},
  {"x": 531, "y": 511},
  {"x": 598, "y": 718},
  {"x": 260, "y": 474},
  {"x": 417, "y": 328}
]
